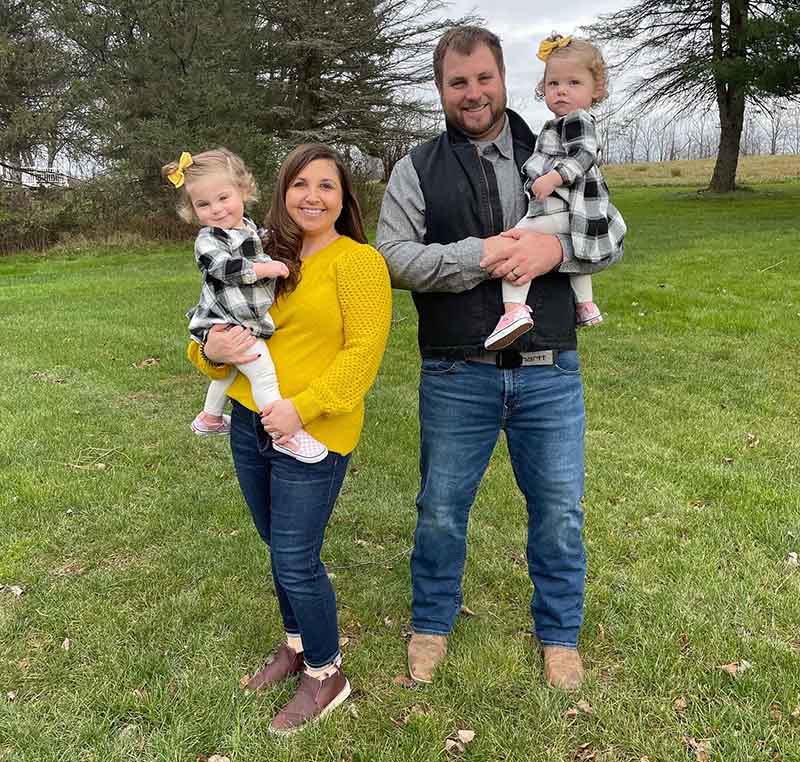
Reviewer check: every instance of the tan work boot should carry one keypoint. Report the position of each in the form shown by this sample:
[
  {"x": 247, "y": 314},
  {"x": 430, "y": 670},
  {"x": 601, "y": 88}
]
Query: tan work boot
[
  {"x": 425, "y": 653},
  {"x": 563, "y": 668}
]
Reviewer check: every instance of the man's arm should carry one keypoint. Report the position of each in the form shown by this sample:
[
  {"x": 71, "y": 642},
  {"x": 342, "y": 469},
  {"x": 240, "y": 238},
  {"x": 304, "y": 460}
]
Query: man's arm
[{"x": 452, "y": 267}]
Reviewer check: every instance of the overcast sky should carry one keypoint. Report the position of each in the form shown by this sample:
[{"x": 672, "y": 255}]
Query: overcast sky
[{"x": 521, "y": 25}]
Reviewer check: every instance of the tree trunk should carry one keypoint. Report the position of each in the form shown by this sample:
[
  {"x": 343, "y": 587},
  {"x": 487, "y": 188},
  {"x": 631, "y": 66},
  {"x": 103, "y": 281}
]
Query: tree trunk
[{"x": 730, "y": 91}]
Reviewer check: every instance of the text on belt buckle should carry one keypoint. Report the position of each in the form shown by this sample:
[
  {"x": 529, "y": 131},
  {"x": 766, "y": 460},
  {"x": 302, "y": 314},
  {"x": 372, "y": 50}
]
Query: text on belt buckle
[{"x": 544, "y": 357}]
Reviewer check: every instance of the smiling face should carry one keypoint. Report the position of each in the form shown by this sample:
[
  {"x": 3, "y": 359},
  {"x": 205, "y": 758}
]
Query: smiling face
[
  {"x": 473, "y": 92},
  {"x": 216, "y": 201},
  {"x": 568, "y": 85},
  {"x": 314, "y": 198}
]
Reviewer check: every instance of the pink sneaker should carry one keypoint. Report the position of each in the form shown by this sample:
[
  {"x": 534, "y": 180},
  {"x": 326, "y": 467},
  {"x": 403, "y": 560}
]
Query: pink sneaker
[
  {"x": 203, "y": 429},
  {"x": 303, "y": 447},
  {"x": 510, "y": 327},
  {"x": 587, "y": 313}
]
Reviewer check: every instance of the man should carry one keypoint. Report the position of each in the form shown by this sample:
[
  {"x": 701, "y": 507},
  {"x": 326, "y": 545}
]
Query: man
[{"x": 445, "y": 205}]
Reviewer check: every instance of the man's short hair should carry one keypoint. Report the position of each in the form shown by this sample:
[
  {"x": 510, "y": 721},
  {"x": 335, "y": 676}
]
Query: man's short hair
[{"x": 464, "y": 39}]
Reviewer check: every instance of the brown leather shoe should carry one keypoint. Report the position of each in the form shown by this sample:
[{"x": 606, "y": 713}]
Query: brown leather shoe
[
  {"x": 425, "y": 653},
  {"x": 285, "y": 663},
  {"x": 313, "y": 700},
  {"x": 563, "y": 668}
]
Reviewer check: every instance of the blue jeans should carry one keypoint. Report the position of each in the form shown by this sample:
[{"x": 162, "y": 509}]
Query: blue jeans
[
  {"x": 291, "y": 503},
  {"x": 463, "y": 406}
]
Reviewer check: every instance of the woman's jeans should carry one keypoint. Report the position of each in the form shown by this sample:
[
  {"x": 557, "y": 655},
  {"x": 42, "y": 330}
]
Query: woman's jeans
[
  {"x": 463, "y": 407},
  {"x": 291, "y": 503}
]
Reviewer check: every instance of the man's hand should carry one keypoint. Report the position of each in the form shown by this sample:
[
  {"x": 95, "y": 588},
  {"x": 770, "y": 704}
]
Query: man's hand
[
  {"x": 281, "y": 421},
  {"x": 545, "y": 185},
  {"x": 521, "y": 255},
  {"x": 271, "y": 270},
  {"x": 229, "y": 344}
]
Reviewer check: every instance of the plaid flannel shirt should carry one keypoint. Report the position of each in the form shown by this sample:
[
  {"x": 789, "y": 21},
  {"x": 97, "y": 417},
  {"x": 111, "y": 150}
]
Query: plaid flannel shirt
[
  {"x": 231, "y": 293},
  {"x": 569, "y": 145}
]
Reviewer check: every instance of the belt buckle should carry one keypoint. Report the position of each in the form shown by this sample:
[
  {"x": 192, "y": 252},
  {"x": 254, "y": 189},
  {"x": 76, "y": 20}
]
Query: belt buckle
[{"x": 508, "y": 359}]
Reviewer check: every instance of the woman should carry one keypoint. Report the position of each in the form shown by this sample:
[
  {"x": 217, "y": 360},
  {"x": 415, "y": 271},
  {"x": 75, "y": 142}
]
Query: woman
[{"x": 332, "y": 316}]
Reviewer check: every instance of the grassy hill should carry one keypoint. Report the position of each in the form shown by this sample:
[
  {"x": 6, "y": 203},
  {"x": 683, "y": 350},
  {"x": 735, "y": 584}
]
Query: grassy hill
[{"x": 144, "y": 591}]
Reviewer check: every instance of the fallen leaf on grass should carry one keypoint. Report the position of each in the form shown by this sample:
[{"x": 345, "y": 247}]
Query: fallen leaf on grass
[
  {"x": 15, "y": 590},
  {"x": 792, "y": 559},
  {"x": 67, "y": 644},
  {"x": 46, "y": 377},
  {"x": 414, "y": 711},
  {"x": 775, "y": 712},
  {"x": 388, "y": 621},
  {"x": 582, "y": 707},
  {"x": 734, "y": 669},
  {"x": 213, "y": 758},
  {"x": 23, "y": 664},
  {"x": 795, "y": 715},
  {"x": 683, "y": 643},
  {"x": 700, "y": 748},
  {"x": 585, "y": 753},
  {"x": 244, "y": 680},
  {"x": 466, "y": 611},
  {"x": 148, "y": 362},
  {"x": 679, "y": 705},
  {"x": 404, "y": 682},
  {"x": 11, "y": 695},
  {"x": 457, "y": 742}
]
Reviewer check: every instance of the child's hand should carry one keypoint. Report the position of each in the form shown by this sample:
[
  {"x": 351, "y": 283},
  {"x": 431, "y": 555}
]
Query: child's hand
[
  {"x": 271, "y": 270},
  {"x": 545, "y": 185}
]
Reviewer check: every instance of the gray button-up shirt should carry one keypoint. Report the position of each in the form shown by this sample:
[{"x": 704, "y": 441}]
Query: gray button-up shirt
[{"x": 451, "y": 267}]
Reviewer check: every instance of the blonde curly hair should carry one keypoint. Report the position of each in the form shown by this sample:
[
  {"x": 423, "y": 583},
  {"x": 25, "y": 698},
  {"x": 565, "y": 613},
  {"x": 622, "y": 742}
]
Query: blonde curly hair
[
  {"x": 588, "y": 54},
  {"x": 215, "y": 161}
]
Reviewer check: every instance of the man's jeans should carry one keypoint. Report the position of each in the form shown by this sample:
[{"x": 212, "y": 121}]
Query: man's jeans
[
  {"x": 291, "y": 503},
  {"x": 463, "y": 406}
]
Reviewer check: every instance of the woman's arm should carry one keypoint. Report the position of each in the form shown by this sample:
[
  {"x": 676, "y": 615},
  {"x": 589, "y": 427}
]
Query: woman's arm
[
  {"x": 365, "y": 299},
  {"x": 225, "y": 345}
]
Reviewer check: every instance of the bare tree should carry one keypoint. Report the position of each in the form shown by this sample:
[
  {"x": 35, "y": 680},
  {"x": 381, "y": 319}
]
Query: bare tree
[{"x": 697, "y": 53}]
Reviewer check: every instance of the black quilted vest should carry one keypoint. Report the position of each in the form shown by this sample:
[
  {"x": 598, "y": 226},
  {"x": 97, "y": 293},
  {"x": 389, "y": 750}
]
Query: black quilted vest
[{"x": 461, "y": 200}]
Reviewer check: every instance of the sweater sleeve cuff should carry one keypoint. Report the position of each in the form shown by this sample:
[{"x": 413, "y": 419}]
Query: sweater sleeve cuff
[
  {"x": 214, "y": 372},
  {"x": 307, "y": 406}
]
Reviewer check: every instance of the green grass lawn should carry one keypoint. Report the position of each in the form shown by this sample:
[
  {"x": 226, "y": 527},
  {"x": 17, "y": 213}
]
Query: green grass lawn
[{"x": 130, "y": 539}]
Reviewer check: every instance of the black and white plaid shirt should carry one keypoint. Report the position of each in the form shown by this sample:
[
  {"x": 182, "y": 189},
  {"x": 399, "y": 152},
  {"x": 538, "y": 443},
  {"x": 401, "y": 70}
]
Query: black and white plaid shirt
[
  {"x": 569, "y": 145},
  {"x": 231, "y": 293}
]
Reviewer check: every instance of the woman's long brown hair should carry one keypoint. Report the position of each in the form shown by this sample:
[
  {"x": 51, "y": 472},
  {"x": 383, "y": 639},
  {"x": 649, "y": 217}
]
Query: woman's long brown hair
[{"x": 284, "y": 237}]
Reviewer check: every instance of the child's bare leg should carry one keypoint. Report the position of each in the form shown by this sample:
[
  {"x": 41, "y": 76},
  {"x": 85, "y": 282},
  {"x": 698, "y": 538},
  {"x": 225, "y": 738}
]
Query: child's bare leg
[
  {"x": 211, "y": 419},
  {"x": 264, "y": 383},
  {"x": 587, "y": 313}
]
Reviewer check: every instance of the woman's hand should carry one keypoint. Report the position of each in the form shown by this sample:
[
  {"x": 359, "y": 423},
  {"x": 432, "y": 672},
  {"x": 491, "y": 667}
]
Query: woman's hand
[
  {"x": 281, "y": 421},
  {"x": 229, "y": 344}
]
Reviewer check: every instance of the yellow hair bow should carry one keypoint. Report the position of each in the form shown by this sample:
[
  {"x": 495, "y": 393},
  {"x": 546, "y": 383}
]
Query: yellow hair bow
[
  {"x": 546, "y": 47},
  {"x": 176, "y": 177}
]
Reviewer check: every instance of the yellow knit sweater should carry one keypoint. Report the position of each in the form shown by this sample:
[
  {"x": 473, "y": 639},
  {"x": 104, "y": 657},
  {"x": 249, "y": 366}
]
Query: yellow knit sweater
[{"x": 330, "y": 334}]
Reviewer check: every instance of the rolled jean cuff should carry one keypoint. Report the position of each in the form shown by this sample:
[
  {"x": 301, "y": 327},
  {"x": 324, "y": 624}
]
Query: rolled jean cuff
[
  {"x": 428, "y": 631},
  {"x": 335, "y": 659},
  {"x": 558, "y": 641}
]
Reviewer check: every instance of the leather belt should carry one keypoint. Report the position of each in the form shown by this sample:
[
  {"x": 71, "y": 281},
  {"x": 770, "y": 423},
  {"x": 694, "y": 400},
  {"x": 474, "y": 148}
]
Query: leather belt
[{"x": 511, "y": 358}]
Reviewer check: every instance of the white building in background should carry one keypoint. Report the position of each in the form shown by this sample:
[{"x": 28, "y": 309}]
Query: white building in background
[{"x": 32, "y": 177}]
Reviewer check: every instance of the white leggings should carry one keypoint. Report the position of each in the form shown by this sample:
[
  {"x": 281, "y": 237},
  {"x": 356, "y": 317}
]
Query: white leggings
[
  {"x": 552, "y": 224},
  {"x": 260, "y": 373}
]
